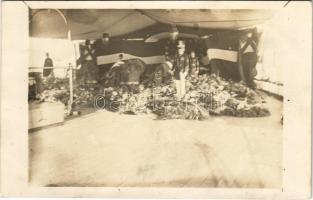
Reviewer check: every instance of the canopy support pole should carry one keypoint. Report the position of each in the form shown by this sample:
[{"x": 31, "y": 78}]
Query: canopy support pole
[
  {"x": 70, "y": 103},
  {"x": 71, "y": 100},
  {"x": 69, "y": 37}
]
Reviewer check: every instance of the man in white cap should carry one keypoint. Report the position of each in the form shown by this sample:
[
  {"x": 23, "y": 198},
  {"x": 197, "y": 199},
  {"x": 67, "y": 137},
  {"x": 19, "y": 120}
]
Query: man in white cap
[{"x": 181, "y": 69}]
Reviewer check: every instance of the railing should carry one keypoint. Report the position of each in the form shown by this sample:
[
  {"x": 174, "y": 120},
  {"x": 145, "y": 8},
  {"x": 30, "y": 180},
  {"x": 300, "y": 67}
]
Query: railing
[{"x": 69, "y": 69}]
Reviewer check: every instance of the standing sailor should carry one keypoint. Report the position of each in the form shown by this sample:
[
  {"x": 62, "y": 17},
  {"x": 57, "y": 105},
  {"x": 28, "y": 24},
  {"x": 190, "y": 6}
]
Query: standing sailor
[
  {"x": 181, "y": 69},
  {"x": 102, "y": 47},
  {"x": 48, "y": 64},
  {"x": 102, "y": 44}
]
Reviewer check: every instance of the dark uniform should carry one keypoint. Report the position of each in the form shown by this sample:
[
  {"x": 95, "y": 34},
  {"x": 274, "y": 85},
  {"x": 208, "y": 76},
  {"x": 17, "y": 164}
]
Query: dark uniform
[
  {"x": 170, "y": 53},
  {"x": 181, "y": 65},
  {"x": 48, "y": 63},
  {"x": 101, "y": 47},
  {"x": 101, "y": 44},
  {"x": 194, "y": 66},
  {"x": 170, "y": 50}
]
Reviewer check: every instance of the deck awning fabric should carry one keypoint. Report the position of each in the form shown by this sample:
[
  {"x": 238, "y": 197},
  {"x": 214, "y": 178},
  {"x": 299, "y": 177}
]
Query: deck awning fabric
[{"x": 91, "y": 23}]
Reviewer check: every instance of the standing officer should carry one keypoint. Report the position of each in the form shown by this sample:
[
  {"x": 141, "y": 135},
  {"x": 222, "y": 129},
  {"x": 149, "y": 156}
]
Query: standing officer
[{"x": 181, "y": 69}]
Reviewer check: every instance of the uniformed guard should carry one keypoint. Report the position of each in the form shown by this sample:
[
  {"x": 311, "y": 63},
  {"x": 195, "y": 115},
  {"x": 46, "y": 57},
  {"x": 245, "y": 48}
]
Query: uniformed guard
[
  {"x": 193, "y": 64},
  {"x": 181, "y": 69},
  {"x": 48, "y": 64}
]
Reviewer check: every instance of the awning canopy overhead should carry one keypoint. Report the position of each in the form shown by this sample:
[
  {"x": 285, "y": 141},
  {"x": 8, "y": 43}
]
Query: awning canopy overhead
[{"x": 91, "y": 23}]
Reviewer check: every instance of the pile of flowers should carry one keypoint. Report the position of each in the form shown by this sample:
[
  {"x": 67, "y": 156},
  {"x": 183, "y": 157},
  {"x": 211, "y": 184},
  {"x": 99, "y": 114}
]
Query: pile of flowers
[
  {"x": 57, "y": 90},
  {"x": 206, "y": 94}
]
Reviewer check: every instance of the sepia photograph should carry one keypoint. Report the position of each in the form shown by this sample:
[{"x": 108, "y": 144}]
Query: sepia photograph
[
  {"x": 125, "y": 98},
  {"x": 164, "y": 97}
]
